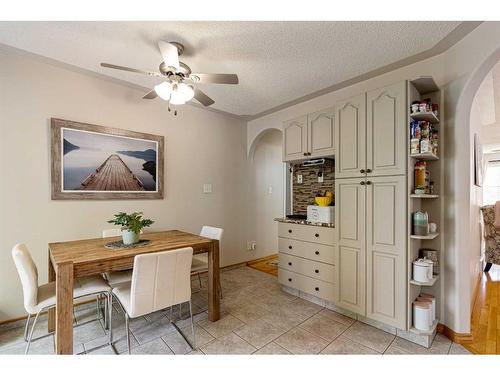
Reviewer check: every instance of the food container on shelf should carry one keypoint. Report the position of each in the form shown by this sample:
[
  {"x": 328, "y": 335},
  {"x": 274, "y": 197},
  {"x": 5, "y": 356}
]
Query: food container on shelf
[
  {"x": 423, "y": 270},
  {"x": 430, "y": 254},
  {"x": 422, "y": 107},
  {"x": 420, "y": 223},
  {"x": 422, "y": 311},
  {"x": 414, "y": 108},
  {"x": 432, "y": 299},
  {"x": 415, "y": 146}
]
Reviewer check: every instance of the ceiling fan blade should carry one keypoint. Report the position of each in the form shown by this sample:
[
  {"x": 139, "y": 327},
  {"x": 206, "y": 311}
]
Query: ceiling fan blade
[
  {"x": 226, "y": 79},
  {"x": 127, "y": 69},
  {"x": 202, "y": 97},
  {"x": 169, "y": 53},
  {"x": 150, "y": 95}
]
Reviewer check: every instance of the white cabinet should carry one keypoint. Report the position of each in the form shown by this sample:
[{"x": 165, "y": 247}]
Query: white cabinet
[
  {"x": 386, "y": 121},
  {"x": 350, "y": 137},
  {"x": 295, "y": 139},
  {"x": 386, "y": 250},
  {"x": 351, "y": 247},
  {"x": 309, "y": 136},
  {"x": 321, "y": 134}
]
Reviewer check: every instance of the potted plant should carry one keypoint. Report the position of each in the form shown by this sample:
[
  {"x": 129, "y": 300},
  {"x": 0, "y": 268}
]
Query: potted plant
[{"x": 131, "y": 226}]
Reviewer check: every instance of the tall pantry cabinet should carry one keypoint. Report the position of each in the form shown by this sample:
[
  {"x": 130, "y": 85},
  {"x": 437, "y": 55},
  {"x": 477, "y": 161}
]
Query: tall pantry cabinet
[{"x": 371, "y": 214}]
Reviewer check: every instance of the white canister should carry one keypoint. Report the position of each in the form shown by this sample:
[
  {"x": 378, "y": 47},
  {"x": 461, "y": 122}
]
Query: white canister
[
  {"x": 422, "y": 315},
  {"x": 422, "y": 270},
  {"x": 430, "y": 298}
]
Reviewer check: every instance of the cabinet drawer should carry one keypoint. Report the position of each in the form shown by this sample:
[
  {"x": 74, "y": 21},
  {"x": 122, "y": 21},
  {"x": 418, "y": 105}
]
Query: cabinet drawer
[
  {"x": 306, "y": 284},
  {"x": 316, "y": 270},
  {"x": 308, "y": 250},
  {"x": 310, "y": 233}
]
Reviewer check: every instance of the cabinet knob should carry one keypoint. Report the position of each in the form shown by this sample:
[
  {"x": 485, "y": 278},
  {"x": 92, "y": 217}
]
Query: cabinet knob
[
  {"x": 290, "y": 247},
  {"x": 316, "y": 235},
  {"x": 289, "y": 231},
  {"x": 309, "y": 153},
  {"x": 316, "y": 289},
  {"x": 368, "y": 182},
  {"x": 317, "y": 271},
  {"x": 290, "y": 279},
  {"x": 289, "y": 263},
  {"x": 368, "y": 171},
  {"x": 362, "y": 183},
  {"x": 361, "y": 171},
  {"x": 305, "y": 153},
  {"x": 316, "y": 252}
]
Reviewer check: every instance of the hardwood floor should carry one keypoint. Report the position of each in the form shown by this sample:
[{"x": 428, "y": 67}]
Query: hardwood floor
[
  {"x": 486, "y": 315},
  {"x": 268, "y": 265}
]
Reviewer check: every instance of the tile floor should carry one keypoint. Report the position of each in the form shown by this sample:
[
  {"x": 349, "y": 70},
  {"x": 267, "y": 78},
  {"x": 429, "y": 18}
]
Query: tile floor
[{"x": 257, "y": 318}]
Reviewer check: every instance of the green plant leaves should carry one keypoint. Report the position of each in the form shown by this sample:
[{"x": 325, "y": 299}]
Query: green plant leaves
[{"x": 133, "y": 222}]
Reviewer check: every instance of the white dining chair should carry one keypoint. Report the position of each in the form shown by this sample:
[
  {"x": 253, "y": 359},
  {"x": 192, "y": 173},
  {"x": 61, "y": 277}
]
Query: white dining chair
[
  {"x": 116, "y": 277},
  {"x": 200, "y": 261},
  {"x": 38, "y": 298},
  {"x": 159, "y": 280}
]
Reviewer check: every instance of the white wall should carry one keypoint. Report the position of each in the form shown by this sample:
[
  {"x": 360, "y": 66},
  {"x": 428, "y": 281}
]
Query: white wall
[
  {"x": 453, "y": 71},
  {"x": 267, "y": 170},
  {"x": 200, "y": 147}
]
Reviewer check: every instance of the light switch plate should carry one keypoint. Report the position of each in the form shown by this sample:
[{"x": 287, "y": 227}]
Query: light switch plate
[
  {"x": 320, "y": 178},
  {"x": 207, "y": 188}
]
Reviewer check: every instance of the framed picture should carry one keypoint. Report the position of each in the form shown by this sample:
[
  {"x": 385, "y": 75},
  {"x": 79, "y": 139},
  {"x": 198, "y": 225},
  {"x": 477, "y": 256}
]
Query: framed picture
[
  {"x": 478, "y": 161},
  {"x": 98, "y": 162}
]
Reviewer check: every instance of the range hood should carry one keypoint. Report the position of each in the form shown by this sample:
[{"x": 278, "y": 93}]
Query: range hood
[{"x": 313, "y": 162}]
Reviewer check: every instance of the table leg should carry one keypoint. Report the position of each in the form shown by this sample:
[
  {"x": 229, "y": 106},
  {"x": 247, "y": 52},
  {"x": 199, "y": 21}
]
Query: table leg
[
  {"x": 64, "y": 308},
  {"x": 213, "y": 282},
  {"x": 52, "y": 312}
]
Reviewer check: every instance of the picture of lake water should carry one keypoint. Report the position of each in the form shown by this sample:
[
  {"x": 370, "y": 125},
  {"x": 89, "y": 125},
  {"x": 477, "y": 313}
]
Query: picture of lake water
[{"x": 127, "y": 164}]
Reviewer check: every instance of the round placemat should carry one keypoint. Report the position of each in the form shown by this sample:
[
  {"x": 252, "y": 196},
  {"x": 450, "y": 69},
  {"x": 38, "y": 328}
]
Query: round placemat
[{"x": 114, "y": 245}]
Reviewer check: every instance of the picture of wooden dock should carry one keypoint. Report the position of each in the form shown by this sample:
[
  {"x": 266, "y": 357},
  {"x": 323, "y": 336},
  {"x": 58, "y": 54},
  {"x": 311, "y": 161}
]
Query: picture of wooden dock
[{"x": 112, "y": 175}]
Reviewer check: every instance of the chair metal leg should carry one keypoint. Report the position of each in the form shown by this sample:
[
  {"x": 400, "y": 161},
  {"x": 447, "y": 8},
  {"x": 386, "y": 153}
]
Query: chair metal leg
[
  {"x": 26, "y": 327},
  {"x": 110, "y": 317},
  {"x": 31, "y": 333},
  {"x": 192, "y": 325},
  {"x": 128, "y": 332}
]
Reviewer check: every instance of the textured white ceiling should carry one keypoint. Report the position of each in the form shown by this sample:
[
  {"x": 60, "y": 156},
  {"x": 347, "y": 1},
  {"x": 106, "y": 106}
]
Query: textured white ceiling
[{"x": 276, "y": 61}]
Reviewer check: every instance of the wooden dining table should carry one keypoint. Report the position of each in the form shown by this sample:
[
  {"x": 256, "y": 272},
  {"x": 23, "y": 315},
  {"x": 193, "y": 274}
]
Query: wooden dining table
[{"x": 73, "y": 259}]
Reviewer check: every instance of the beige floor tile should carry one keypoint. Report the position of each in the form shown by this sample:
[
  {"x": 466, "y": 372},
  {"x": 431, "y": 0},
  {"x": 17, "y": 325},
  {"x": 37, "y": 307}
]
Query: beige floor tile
[
  {"x": 440, "y": 345},
  {"x": 249, "y": 313},
  {"x": 178, "y": 344},
  {"x": 299, "y": 341},
  {"x": 226, "y": 324},
  {"x": 343, "y": 345},
  {"x": 152, "y": 330},
  {"x": 284, "y": 319},
  {"x": 229, "y": 344},
  {"x": 323, "y": 327},
  {"x": 87, "y": 332},
  {"x": 302, "y": 307},
  {"x": 259, "y": 333},
  {"x": 394, "y": 350},
  {"x": 337, "y": 317},
  {"x": 458, "y": 349},
  {"x": 156, "y": 346},
  {"x": 369, "y": 336},
  {"x": 272, "y": 348}
]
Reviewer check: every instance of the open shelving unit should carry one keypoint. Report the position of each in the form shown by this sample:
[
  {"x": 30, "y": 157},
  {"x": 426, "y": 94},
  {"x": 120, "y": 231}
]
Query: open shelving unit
[{"x": 419, "y": 89}]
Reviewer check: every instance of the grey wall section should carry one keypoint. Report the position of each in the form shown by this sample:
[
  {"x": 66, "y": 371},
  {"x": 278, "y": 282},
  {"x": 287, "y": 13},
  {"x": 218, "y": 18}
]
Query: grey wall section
[{"x": 200, "y": 147}]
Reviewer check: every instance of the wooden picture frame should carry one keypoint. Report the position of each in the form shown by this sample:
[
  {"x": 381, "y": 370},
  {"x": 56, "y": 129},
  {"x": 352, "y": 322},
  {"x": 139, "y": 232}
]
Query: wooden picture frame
[{"x": 111, "y": 177}]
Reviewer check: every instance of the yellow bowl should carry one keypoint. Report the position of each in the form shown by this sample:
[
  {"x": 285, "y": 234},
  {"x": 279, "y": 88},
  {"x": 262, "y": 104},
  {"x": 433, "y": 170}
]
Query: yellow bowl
[{"x": 323, "y": 201}]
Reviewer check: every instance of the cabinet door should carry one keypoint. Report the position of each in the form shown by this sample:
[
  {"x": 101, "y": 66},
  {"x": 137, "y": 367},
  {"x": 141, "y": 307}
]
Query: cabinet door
[
  {"x": 321, "y": 135},
  {"x": 295, "y": 139},
  {"x": 350, "y": 246},
  {"x": 350, "y": 137},
  {"x": 386, "y": 250},
  {"x": 386, "y": 126}
]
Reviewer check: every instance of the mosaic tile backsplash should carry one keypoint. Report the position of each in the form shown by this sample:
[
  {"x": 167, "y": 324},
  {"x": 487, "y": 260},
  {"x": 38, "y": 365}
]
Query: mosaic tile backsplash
[{"x": 304, "y": 193}]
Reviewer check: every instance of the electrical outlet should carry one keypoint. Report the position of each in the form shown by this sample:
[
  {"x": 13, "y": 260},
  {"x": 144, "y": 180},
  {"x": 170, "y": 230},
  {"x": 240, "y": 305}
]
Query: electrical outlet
[
  {"x": 299, "y": 179},
  {"x": 320, "y": 176},
  {"x": 251, "y": 245}
]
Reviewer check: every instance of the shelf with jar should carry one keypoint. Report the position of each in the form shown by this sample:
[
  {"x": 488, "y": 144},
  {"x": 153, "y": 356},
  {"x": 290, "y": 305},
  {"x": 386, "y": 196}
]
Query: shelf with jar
[{"x": 424, "y": 135}]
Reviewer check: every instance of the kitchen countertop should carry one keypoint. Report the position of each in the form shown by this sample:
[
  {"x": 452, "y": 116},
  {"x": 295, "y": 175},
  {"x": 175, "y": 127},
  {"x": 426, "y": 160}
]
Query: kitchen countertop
[{"x": 303, "y": 222}]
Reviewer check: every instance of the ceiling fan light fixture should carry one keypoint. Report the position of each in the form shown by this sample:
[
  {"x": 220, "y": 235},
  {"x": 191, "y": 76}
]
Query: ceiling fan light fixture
[
  {"x": 181, "y": 93},
  {"x": 164, "y": 90}
]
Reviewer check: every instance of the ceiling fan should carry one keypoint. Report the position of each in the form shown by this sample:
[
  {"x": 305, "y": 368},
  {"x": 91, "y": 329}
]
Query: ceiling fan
[{"x": 179, "y": 82}]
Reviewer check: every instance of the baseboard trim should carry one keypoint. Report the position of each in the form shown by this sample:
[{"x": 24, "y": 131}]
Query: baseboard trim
[
  {"x": 459, "y": 338},
  {"x": 263, "y": 259}
]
